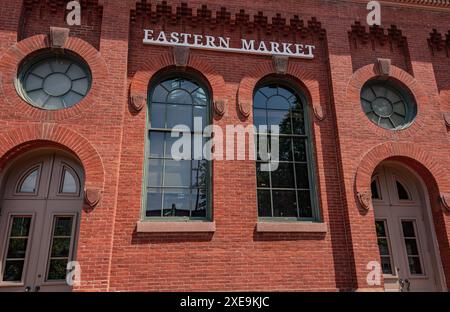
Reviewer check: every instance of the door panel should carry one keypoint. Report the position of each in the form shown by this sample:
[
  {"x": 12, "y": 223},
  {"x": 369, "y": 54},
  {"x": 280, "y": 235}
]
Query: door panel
[
  {"x": 45, "y": 197},
  {"x": 406, "y": 232}
]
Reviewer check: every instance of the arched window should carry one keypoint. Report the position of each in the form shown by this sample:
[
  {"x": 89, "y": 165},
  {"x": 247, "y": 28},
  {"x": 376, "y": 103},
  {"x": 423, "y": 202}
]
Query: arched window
[
  {"x": 177, "y": 188},
  {"x": 288, "y": 191}
]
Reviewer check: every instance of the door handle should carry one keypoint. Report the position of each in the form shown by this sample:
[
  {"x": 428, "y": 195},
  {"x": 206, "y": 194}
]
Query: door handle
[
  {"x": 27, "y": 289},
  {"x": 37, "y": 288}
]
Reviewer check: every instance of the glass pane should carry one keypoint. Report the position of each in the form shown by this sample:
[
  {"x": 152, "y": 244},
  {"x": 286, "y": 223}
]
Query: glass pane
[
  {"x": 304, "y": 204},
  {"x": 374, "y": 189},
  {"x": 29, "y": 184},
  {"x": 383, "y": 246},
  {"x": 411, "y": 247},
  {"x": 63, "y": 226},
  {"x": 278, "y": 102},
  {"x": 17, "y": 248},
  {"x": 177, "y": 173},
  {"x": 281, "y": 119},
  {"x": 262, "y": 177},
  {"x": 300, "y": 149},
  {"x": 259, "y": 100},
  {"x": 75, "y": 72},
  {"x": 201, "y": 112},
  {"x": 402, "y": 193},
  {"x": 283, "y": 177},
  {"x": 156, "y": 144},
  {"x": 380, "y": 229},
  {"x": 60, "y": 247},
  {"x": 33, "y": 82},
  {"x": 296, "y": 104},
  {"x": 302, "y": 176},
  {"x": 60, "y": 65},
  {"x": 264, "y": 206},
  {"x": 188, "y": 85},
  {"x": 268, "y": 91},
  {"x": 154, "y": 201},
  {"x": 408, "y": 229},
  {"x": 259, "y": 118},
  {"x": 54, "y": 103},
  {"x": 70, "y": 184},
  {"x": 199, "y": 203},
  {"x": 179, "y": 96},
  {"x": 157, "y": 115},
  {"x": 414, "y": 265},
  {"x": 298, "y": 121},
  {"x": 42, "y": 69},
  {"x": 159, "y": 94},
  {"x": 13, "y": 271},
  {"x": 81, "y": 86},
  {"x": 284, "y": 204},
  {"x": 386, "y": 265},
  {"x": 38, "y": 97},
  {"x": 20, "y": 226},
  {"x": 71, "y": 98},
  {"x": 155, "y": 170},
  {"x": 176, "y": 202},
  {"x": 199, "y": 173},
  {"x": 57, "y": 269},
  {"x": 285, "y": 149},
  {"x": 200, "y": 97},
  {"x": 179, "y": 115}
]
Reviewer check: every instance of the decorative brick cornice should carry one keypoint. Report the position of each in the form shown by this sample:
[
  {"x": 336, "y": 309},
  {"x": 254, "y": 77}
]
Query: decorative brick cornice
[
  {"x": 437, "y": 42},
  {"x": 165, "y": 14},
  {"x": 377, "y": 35}
]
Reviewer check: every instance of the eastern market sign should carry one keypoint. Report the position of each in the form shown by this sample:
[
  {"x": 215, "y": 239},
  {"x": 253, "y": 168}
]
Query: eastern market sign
[{"x": 222, "y": 44}]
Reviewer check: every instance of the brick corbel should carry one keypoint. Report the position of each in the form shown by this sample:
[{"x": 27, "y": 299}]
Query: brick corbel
[
  {"x": 220, "y": 106},
  {"x": 365, "y": 198},
  {"x": 58, "y": 37},
  {"x": 244, "y": 108}
]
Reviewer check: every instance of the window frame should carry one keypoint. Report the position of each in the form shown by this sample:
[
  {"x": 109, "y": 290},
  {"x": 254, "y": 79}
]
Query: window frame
[
  {"x": 310, "y": 153},
  {"x": 154, "y": 83}
]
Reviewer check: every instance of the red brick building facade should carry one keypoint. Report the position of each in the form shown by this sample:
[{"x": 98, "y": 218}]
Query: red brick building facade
[{"x": 105, "y": 132}]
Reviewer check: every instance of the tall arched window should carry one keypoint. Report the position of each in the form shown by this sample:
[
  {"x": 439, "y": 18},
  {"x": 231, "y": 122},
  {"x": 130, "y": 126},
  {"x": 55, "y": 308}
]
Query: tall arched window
[
  {"x": 289, "y": 191},
  {"x": 176, "y": 188}
]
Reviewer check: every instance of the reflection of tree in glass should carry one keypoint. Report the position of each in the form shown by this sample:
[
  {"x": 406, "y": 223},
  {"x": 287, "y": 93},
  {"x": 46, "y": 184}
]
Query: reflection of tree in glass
[{"x": 201, "y": 181}]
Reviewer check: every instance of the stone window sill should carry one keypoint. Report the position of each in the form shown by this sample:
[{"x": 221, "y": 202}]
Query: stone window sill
[
  {"x": 291, "y": 227},
  {"x": 173, "y": 226}
]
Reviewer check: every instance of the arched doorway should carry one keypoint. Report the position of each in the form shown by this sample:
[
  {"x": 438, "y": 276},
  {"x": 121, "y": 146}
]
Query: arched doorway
[
  {"x": 42, "y": 197},
  {"x": 405, "y": 232}
]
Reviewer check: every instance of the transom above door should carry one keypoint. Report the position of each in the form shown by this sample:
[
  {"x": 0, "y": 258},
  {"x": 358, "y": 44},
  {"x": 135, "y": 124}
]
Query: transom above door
[{"x": 41, "y": 205}]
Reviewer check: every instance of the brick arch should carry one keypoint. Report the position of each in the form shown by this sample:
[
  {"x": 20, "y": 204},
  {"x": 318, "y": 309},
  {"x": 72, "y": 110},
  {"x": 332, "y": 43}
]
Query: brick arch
[
  {"x": 37, "y": 135},
  {"x": 12, "y": 58},
  {"x": 430, "y": 168},
  {"x": 141, "y": 79},
  {"x": 424, "y": 103},
  {"x": 294, "y": 71}
]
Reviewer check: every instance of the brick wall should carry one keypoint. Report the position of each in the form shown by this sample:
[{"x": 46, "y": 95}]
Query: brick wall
[{"x": 235, "y": 257}]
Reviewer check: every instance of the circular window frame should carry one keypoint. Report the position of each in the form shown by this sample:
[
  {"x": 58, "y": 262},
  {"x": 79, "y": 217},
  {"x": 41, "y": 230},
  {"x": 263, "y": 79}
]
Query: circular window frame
[
  {"x": 401, "y": 92},
  {"x": 35, "y": 59}
]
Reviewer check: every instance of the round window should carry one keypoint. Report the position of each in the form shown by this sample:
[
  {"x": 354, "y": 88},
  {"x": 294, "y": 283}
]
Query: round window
[
  {"x": 388, "y": 105},
  {"x": 54, "y": 81}
]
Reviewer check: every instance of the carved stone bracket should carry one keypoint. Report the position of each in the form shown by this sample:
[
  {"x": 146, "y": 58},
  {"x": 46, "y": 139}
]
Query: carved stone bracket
[
  {"x": 220, "y": 106},
  {"x": 92, "y": 196},
  {"x": 318, "y": 112},
  {"x": 58, "y": 36},
  {"x": 181, "y": 56},
  {"x": 281, "y": 64},
  {"x": 447, "y": 119},
  {"x": 365, "y": 198},
  {"x": 445, "y": 201},
  {"x": 138, "y": 101},
  {"x": 384, "y": 66},
  {"x": 244, "y": 108}
]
